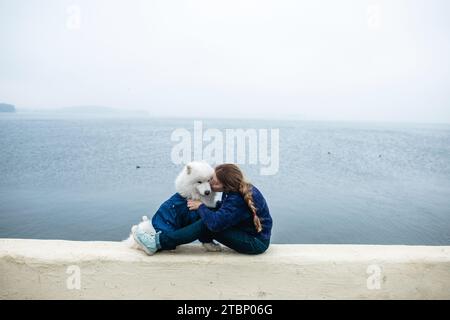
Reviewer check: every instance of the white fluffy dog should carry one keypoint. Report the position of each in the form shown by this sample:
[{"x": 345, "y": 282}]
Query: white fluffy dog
[{"x": 191, "y": 183}]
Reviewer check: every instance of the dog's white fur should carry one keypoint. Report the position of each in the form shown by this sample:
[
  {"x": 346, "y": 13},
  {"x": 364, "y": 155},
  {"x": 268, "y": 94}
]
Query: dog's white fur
[{"x": 191, "y": 183}]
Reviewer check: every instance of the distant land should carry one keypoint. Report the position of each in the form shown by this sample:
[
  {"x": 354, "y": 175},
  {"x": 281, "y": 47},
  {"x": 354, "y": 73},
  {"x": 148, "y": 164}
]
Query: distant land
[
  {"x": 4, "y": 107},
  {"x": 87, "y": 110}
]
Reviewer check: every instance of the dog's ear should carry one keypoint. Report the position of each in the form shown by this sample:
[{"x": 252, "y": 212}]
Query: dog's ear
[{"x": 188, "y": 169}]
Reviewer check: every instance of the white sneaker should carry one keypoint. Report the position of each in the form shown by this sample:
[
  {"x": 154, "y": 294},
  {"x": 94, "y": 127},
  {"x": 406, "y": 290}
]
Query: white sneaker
[
  {"x": 212, "y": 246},
  {"x": 145, "y": 240}
]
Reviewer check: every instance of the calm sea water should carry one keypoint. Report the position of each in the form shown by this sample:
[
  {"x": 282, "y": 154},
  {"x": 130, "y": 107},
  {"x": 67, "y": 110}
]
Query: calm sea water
[{"x": 75, "y": 178}]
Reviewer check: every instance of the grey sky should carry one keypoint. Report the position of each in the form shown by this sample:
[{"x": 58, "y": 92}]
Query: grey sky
[{"x": 329, "y": 60}]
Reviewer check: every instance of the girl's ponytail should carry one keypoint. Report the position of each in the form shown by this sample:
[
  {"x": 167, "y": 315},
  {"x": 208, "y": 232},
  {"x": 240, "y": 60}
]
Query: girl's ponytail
[{"x": 246, "y": 190}]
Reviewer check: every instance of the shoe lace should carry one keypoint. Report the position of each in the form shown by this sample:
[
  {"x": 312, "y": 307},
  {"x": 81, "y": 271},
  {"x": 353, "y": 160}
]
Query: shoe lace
[{"x": 146, "y": 236}]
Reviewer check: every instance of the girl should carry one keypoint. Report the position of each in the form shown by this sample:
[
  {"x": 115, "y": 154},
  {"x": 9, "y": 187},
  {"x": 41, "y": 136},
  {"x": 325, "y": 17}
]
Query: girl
[{"x": 241, "y": 220}]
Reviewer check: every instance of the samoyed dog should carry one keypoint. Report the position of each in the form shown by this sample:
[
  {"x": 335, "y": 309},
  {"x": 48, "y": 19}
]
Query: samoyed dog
[{"x": 191, "y": 183}]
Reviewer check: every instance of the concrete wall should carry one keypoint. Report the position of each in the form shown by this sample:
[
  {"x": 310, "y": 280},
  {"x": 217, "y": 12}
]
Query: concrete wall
[{"x": 47, "y": 269}]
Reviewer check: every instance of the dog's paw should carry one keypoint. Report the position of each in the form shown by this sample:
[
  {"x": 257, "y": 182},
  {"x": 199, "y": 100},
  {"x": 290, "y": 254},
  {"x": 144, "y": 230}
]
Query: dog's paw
[{"x": 212, "y": 246}]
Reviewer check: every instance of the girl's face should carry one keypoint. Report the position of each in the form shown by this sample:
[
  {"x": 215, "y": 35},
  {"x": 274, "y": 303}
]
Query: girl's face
[{"x": 216, "y": 185}]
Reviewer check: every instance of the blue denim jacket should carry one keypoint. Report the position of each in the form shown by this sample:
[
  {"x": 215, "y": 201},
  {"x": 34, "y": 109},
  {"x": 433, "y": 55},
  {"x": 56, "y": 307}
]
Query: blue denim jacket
[
  {"x": 174, "y": 214},
  {"x": 234, "y": 212}
]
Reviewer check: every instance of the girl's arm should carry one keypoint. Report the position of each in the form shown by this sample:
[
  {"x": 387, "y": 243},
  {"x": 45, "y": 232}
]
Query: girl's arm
[{"x": 232, "y": 211}]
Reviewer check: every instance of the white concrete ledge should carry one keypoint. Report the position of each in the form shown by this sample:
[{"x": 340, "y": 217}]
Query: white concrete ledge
[{"x": 37, "y": 269}]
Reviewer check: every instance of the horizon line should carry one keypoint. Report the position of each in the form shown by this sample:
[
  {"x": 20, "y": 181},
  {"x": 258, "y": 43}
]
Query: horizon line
[{"x": 287, "y": 118}]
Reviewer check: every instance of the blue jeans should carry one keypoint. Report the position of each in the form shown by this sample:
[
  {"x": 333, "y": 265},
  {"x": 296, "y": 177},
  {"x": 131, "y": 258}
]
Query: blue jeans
[{"x": 233, "y": 238}]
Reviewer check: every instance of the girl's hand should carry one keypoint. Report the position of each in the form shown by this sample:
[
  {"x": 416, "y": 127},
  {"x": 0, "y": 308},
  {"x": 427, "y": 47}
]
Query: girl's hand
[{"x": 193, "y": 204}]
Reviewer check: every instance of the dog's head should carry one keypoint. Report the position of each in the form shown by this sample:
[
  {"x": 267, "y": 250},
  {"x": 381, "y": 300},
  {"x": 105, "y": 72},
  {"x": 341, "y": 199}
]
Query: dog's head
[{"x": 194, "y": 178}]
